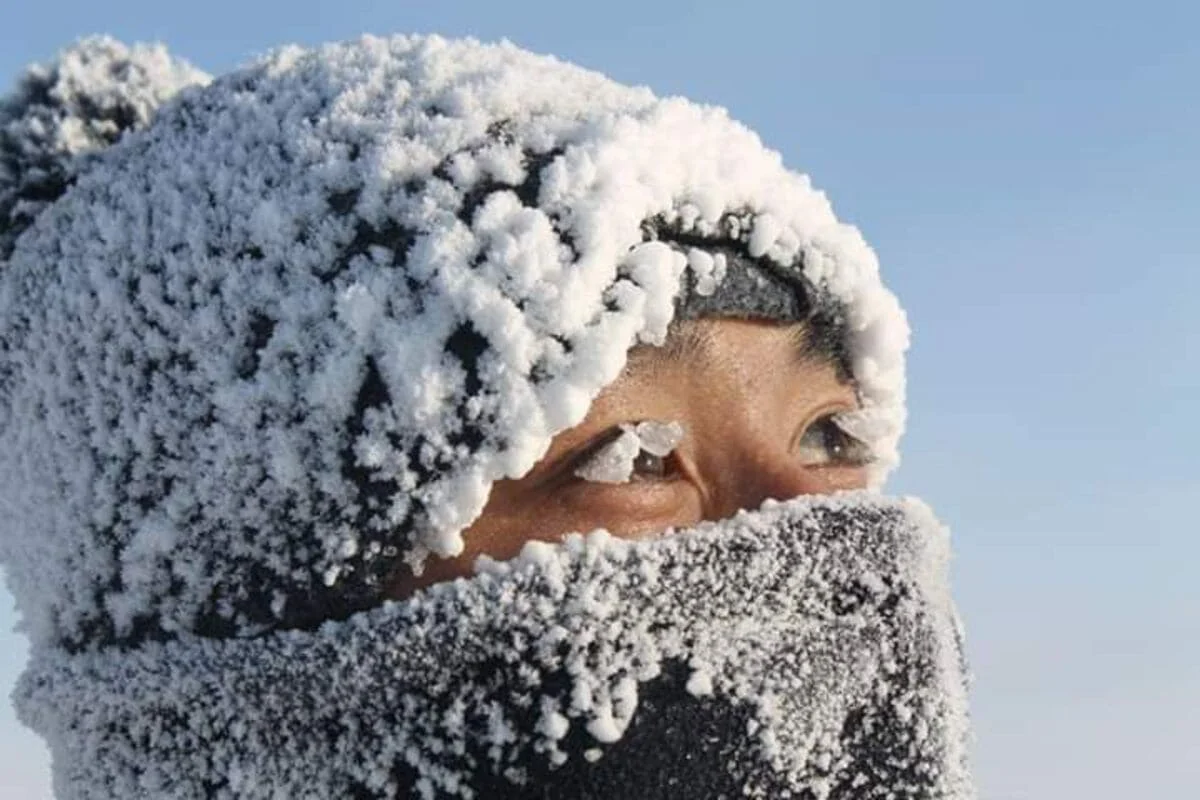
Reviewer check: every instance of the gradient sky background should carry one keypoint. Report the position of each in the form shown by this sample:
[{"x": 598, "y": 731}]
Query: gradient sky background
[{"x": 1029, "y": 173}]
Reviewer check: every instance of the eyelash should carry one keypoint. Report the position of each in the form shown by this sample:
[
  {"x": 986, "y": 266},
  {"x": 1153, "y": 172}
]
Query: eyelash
[
  {"x": 841, "y": 449},
  {"x": 837, "y": 448},
  {"x": 632, "y": 453}
]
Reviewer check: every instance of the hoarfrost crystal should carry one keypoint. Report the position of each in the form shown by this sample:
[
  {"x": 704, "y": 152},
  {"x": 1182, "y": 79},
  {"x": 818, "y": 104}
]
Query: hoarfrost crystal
[{"x": 614, "y": 463}]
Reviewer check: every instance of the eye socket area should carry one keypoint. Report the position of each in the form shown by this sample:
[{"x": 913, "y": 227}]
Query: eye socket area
[
  {"x": 825, "y": 442},
  {"x": 645, "y": 452}
]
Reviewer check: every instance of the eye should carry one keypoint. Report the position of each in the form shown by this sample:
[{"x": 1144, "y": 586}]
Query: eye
[
  {"x": 825, "y": 443},
  {"x": 648, "y": 466},
  {"x": 639, "y": 452}
]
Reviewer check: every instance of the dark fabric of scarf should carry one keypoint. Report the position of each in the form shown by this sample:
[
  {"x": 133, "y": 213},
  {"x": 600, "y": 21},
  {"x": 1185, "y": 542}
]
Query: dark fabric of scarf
[{"x": 806, "y": 650}]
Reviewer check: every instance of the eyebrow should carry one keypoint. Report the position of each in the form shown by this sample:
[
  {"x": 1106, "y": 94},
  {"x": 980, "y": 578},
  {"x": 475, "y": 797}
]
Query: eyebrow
[
  {"x": 683, "y": 343},
  {"x": 686, "y": 342},
  {"x": 808, "y": 349}
]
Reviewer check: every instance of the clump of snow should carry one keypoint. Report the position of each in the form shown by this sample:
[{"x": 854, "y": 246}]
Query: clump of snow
[
  {"x": 614, "y": 463},
  {"x": 307, "y": 317},
  {"x": 818, "y": 633},
  {"x": 708, "y": 268},
  {"x": 700, "y": 683}
]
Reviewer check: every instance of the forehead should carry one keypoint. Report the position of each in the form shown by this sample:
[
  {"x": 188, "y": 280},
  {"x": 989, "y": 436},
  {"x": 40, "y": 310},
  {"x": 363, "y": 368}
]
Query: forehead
[
  {"x": 704, "y": 343},
  {"x": 722, "y": 371}
]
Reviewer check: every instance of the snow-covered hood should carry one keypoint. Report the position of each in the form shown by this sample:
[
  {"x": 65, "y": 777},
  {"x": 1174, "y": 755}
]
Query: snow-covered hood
[
  {"x": 804, "y": 650},
  {"x": 292, "y": 331},
  {"x": 285, "y": 335}
]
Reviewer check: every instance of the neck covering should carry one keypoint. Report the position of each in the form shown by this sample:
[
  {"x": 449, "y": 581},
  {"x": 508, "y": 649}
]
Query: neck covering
[
  {"x": 282, "y": 336},
  {"x": 803, "y": 650}
]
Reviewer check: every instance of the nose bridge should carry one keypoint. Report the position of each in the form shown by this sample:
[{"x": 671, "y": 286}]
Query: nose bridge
[{"x": 750, "y": 477}]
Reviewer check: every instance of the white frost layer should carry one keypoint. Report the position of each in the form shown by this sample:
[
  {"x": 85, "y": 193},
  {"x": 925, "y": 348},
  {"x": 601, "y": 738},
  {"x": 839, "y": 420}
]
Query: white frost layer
[
  {"x": 85, "y": 100},
  {"x": 828, "y": 620},
  {"x": 294, "y": 330},
  {"x": 615, "y": 461}
]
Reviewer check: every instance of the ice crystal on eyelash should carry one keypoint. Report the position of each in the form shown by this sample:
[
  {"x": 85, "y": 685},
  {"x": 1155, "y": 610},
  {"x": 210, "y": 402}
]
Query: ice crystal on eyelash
[
  {"x": 614, "y": 462},
  {"x": 659, "y": 438},
  {"x": 861, "y": 424}
]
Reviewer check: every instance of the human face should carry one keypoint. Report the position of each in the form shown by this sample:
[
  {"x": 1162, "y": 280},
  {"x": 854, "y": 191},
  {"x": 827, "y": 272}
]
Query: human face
[{"x": 757, "y": 413}]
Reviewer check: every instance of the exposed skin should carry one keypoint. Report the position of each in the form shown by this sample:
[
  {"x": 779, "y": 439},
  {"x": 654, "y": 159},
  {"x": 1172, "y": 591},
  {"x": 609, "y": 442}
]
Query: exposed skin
[{"x": 755, "y": 408}]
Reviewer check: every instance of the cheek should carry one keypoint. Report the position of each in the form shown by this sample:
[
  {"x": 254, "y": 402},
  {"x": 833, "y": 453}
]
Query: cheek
[
  {"x": 624, "y": 510},
  {"x": 825, "y": 480},
  {"x": 630, "y": 510},
  {"x": 506, "y": 524}
]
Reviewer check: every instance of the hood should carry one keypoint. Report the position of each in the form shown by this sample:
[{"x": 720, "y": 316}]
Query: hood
[
  {"x": 280, "y": 339},
  {"x": 289, "y": 333}
]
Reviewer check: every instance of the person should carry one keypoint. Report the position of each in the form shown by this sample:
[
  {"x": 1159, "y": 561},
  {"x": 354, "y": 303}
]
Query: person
[{"x": 418, "y": 417}]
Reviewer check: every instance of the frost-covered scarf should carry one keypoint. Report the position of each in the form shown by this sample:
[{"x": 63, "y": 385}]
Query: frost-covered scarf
[
  {"x": 806, "y": 650},
  {"x": 260, "y": 353}
]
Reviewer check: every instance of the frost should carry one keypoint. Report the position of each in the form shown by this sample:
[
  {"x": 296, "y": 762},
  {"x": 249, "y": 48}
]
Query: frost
[
  {"x": 816, "y": 634},
  {"x": 767, "y": 229},
  {"x": 282, "y": 335},
  {"x": 554, "y": 725},
  {"x": 614, "y": 463},
  {"x": 700, "y": 683},
  {"x": 708, "y": 269},
  {"x": 93, "y": 93},
  {"x": 604, "y": 727},
  {"x": 658, "y": 438}
]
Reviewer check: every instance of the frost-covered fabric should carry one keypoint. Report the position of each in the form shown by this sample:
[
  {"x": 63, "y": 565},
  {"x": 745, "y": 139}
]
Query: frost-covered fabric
[
  {"x": 84, "y": 101},
  {"x": 281, "y": 338},
  {"x": 287, "y": 335},
  {"x": 806, "y": 650}
]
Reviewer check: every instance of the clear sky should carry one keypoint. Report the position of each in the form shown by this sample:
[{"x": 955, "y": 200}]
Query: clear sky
[{"x": 1029, "y": 173}]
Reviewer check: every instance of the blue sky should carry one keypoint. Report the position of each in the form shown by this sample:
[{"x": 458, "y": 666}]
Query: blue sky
[{"x": 1030, "y": 176}]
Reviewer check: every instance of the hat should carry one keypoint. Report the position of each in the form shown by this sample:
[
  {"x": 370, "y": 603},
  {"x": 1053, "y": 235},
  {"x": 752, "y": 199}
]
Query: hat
[{"x": 282, "y": 339}]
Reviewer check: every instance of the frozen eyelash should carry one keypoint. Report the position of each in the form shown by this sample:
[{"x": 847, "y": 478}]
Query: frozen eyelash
[
  {"x": 859, "y": 424},
  {"x": 856, "y": 429},
  {"x": 614, "y": 462}
]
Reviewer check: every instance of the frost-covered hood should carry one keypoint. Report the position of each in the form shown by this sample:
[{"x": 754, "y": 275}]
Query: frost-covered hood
[
  {"x": 285, "y": 333},
  {"x": 291, "y": 332}
]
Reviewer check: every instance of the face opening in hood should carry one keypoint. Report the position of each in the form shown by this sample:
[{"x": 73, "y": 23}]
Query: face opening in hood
[{"x": 725, "y": 414}]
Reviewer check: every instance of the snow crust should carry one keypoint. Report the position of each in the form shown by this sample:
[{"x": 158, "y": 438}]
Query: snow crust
[
  {"x": 826, "y": 620},
  {"x": 290, "y": 333}
]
